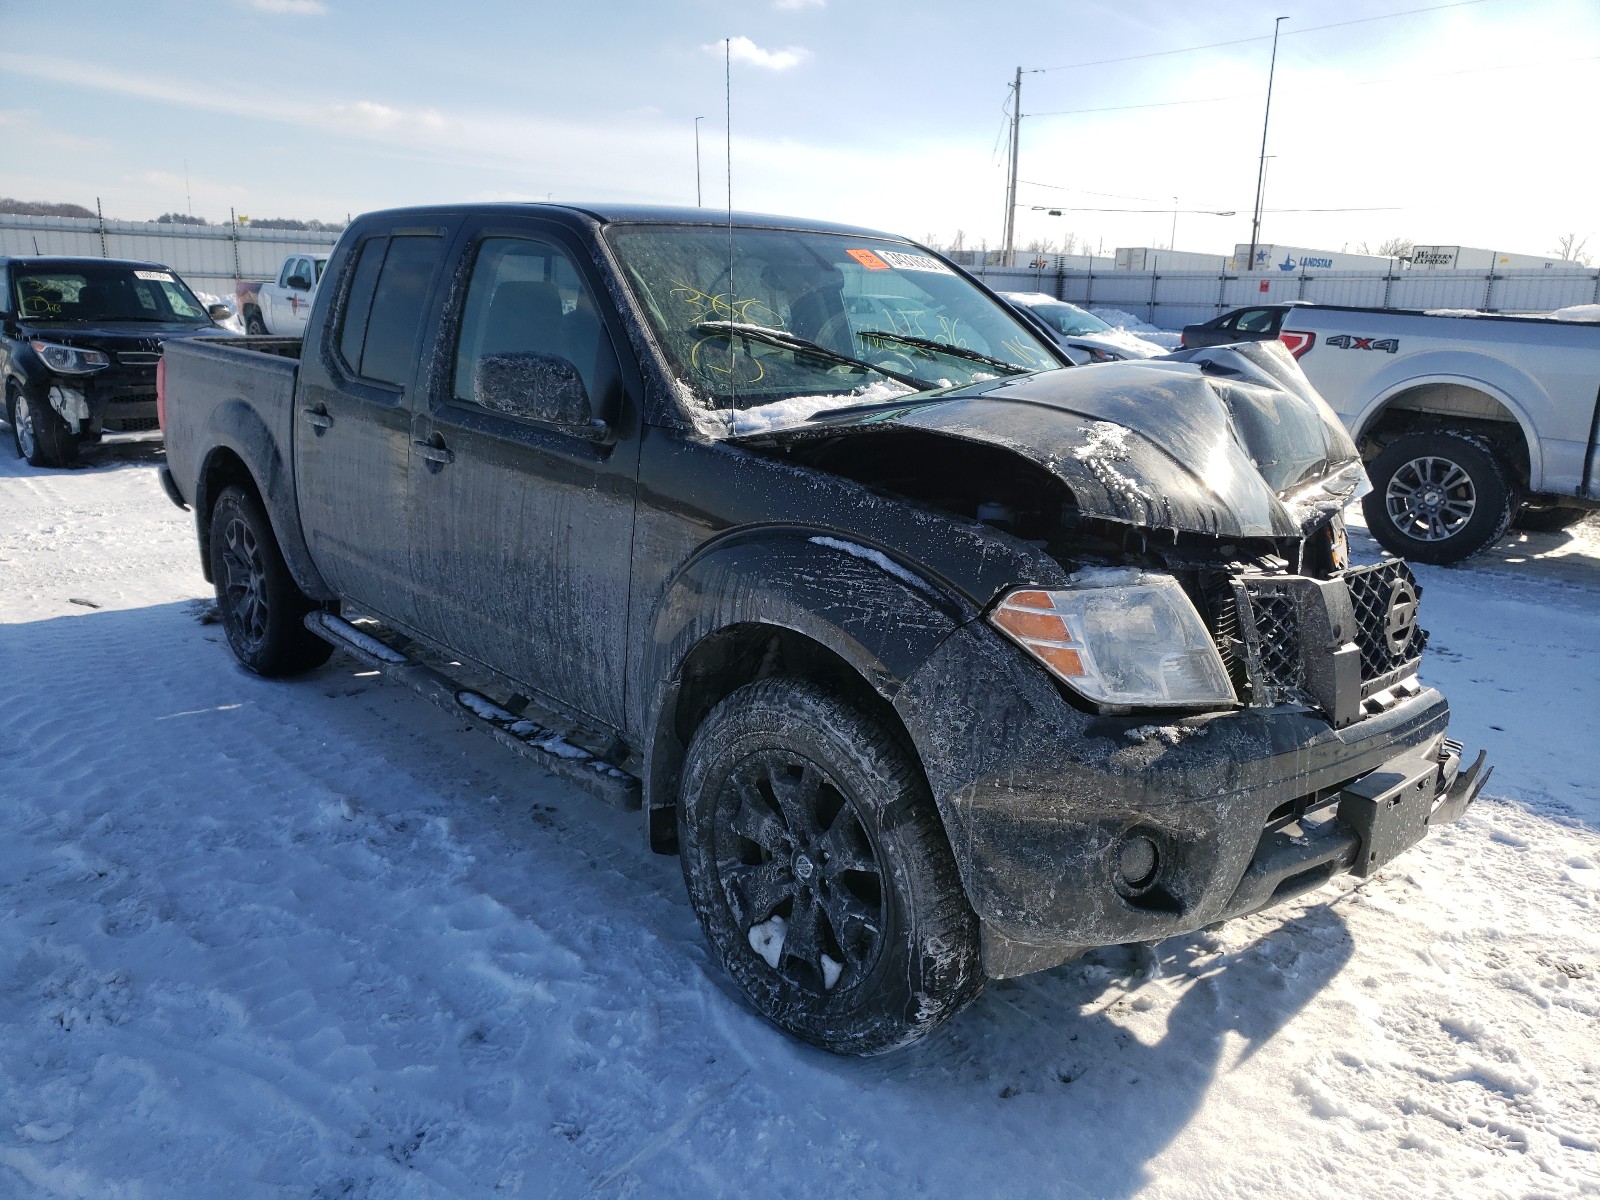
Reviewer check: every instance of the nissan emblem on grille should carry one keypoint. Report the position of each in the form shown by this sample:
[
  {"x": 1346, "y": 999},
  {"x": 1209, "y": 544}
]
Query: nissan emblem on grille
[{"x": 1401, "y": 620}]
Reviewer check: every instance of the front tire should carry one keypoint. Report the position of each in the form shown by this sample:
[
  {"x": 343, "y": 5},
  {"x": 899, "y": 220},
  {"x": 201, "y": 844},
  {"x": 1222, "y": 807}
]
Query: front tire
[
  {"x": 1438, "y": 497},
  {"x": 253, "y": 324},
  {"x": 820, "y": 872},
  {"x": 39, "y": 435},
  {"x": 262, "y": 609}
]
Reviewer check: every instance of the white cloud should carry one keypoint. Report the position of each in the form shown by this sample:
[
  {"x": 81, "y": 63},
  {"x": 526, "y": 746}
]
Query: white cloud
[
  {"x": 294, "y": 8},
  {"x": 797, "y": 5},
  {"x": 369, "y": 114},
  {"x": 745, "y": 51}
]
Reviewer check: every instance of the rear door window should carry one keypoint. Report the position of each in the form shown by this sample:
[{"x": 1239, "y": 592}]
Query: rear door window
[{"x": 382, "y": 324}]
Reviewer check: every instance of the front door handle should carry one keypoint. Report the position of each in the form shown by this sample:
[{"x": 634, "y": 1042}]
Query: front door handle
[
  {"x": 317, "y": 417},
  {"x": 434, "y": 452}
]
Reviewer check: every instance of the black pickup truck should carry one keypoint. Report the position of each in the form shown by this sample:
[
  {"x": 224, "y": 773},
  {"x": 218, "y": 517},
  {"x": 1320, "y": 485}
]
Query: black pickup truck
[
  {"x": 934, "y": 661},
  {"x": 79, "y": 342}
]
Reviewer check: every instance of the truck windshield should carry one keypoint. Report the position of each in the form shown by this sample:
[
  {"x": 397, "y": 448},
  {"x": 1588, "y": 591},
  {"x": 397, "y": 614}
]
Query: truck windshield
[
  {"x": 736, "y": 318},
  {"x": 96, "y": 292}
]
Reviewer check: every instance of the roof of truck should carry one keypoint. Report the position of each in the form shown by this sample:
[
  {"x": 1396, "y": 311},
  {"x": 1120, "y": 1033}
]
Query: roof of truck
[
  {"x": 637, "y": 214},
  {"x": 65, "y": 261}
]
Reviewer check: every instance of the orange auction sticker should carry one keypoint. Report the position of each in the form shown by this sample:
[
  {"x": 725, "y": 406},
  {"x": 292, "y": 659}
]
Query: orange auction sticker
[{"x": 868, "y": 259}]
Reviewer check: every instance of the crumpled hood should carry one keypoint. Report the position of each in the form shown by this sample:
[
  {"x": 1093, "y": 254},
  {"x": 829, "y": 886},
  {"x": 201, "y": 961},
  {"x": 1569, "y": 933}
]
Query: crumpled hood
[{"x": 1230, "y": 441}]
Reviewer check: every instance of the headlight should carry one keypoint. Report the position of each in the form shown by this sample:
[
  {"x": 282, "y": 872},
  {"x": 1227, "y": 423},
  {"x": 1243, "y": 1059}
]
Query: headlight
[
  {"x": 1120, "y": 638},
  {"x": 69, "y": 360}
]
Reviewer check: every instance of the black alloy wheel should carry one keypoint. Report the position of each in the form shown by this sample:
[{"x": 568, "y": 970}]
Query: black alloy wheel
[
  {"x": 818, "y": 867},
  {"x": 263, "y": 611}
]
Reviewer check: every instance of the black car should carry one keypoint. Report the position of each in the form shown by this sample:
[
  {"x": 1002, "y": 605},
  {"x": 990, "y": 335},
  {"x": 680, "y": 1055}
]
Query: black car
[
  {"x": 79, "y": 342},
  {"x": 1259, "y": 323}
]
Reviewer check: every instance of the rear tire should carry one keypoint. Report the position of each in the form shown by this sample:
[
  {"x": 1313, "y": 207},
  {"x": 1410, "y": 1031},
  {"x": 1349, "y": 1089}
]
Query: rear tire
[
  {"x": 820, "y": 872},
  {"x": 1437, "y": 497},
  {"x": 38, "y": 433},
  {"x": 1549, "y": 520},
  {"x": 262, "y": 609}
]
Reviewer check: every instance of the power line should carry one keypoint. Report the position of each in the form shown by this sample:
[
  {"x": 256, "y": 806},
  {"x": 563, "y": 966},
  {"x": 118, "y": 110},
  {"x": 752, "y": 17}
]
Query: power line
[
  {"x": 1069, "y": 112},
  {"x": 1408, "y": 77},
  {"x": 1101, "y": 62}
]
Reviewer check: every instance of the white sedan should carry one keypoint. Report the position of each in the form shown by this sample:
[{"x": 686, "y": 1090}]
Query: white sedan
[{"x": 1082, "y": 336}]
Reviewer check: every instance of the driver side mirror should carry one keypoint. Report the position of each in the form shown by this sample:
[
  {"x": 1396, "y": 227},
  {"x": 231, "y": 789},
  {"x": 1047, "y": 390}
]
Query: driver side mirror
[
  {"x": 219, "y": 312},
  {"x": 539, "y": 387}
]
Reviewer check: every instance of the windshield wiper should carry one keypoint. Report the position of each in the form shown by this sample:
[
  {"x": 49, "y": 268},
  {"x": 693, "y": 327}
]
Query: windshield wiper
[
  {"x": 787, "y": 341},
  {"x": 906, "y": 339}
]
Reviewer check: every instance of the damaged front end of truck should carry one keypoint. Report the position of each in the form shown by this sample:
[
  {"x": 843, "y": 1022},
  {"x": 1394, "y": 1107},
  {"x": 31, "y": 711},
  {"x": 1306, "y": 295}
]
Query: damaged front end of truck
[{"x": 1199, "y": 706}]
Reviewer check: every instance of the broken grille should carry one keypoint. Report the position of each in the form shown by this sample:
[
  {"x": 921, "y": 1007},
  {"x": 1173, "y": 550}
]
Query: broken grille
[
  {"x": 1279, "y": 659},
  {"x": 1372, "y": 592},
  {"x": 1271, "y": 615}
]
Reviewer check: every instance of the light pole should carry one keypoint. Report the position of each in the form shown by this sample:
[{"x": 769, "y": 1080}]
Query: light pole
[
  {"x": 697, "y": 202},
  {"x": 1172, "y": 242},
  {"x": 1261, "y": 171}
]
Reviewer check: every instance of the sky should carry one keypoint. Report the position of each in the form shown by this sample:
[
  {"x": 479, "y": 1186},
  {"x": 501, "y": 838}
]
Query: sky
[{"x": 1464, "y": 124}]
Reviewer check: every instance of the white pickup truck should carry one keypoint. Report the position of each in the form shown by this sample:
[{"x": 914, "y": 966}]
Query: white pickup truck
[
  {"x": 1465, "y": 421},
  {"x": 279, "y": 306}
]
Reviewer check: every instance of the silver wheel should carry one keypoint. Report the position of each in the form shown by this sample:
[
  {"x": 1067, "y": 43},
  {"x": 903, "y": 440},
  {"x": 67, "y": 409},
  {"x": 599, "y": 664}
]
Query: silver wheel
[
  {"x": 22, "y": 424},
  {"x": 244, "y": 585},
  {"x": 1430, "y": 498}
]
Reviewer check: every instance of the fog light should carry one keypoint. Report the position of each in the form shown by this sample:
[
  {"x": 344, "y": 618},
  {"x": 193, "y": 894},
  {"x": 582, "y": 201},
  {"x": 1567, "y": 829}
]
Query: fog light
[{"x": 1138, "y": 862}]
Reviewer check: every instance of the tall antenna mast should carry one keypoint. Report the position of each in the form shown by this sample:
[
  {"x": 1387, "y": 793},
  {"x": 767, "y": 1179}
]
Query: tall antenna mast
[
  {"x": 1008, "y": 237},
  {"x": 1261, "y": 169},
  {"x": 727, "y": 123}
]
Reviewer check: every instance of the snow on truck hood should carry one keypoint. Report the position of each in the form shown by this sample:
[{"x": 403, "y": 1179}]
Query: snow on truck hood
[{"x": 1227, "y": 440}]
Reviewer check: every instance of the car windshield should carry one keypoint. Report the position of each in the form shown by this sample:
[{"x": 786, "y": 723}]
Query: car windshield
[
  {"x": 93, "y": 292},
  {"x": 1068, "y": 318},
  {"x": 770, "y": 316}
]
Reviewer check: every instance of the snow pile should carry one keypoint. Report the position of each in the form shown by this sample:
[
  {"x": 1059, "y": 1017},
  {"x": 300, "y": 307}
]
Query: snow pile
[
  {"x": 1121, "y": 319},
  {"x": 309, "y": 938},
  {"x": 797, "y": 410},
  {"x": 1578, "y": 312}
]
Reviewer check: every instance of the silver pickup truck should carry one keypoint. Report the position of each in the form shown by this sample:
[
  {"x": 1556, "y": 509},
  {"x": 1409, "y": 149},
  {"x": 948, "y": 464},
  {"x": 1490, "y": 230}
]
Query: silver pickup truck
[{"x": 1466, "y": 421}]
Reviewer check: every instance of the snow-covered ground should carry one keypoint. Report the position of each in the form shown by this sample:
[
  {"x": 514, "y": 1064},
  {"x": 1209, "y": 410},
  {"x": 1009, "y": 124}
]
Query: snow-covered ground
[{"x": 314, "y": 940}]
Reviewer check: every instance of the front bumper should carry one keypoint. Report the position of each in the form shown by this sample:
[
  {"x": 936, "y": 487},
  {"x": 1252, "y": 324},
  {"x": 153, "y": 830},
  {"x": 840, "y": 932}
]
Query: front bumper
[
  {"x": 1049, "y": 815},
  {"x": 122, "y": 399}
]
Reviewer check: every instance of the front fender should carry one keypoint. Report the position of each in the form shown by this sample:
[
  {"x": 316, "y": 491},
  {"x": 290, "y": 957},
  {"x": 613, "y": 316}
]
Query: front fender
[{"x": 880, "y": 616}]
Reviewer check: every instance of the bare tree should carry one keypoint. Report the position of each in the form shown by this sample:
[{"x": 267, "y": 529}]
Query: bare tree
[
  {"x": 959, "y": 242},
  {"x": 1570, "y": 246},
  {"x": 1395, "y": 247}
]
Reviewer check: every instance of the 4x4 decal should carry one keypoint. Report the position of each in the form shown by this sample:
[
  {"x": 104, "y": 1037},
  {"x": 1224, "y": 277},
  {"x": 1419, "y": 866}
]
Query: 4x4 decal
[{"x": 1346, "y": 341}]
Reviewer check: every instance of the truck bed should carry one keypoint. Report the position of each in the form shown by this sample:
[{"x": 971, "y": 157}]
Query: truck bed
[{"x": 234, "y": 395}]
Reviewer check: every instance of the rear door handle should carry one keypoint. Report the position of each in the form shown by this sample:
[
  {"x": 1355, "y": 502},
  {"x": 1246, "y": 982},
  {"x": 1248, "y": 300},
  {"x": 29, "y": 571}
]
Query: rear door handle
[
  {"x": 317, "y": 417},
  {"x": 433, "y": 452}
]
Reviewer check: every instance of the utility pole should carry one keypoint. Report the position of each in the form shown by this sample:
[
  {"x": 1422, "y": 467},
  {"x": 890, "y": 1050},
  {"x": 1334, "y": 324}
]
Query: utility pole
[
  {"x": 1008, "y": 238},
  {"x": 1261, "y": 170},
  {"x": 698, "y": 203}
]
